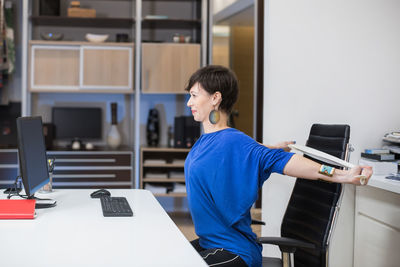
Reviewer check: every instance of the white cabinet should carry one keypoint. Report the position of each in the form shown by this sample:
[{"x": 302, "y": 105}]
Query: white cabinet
[
  {"x": 80, "y": 67},
  {"x": 54, "y": 67},
  {"x": 106, "y": 67},
  {"x": 167, "y": 67},
  {"x": 377, "y": 228}
]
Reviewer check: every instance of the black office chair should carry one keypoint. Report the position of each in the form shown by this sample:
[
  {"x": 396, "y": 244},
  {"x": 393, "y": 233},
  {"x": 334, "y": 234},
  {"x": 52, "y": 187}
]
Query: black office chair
[{"x": 312, "y": 209}]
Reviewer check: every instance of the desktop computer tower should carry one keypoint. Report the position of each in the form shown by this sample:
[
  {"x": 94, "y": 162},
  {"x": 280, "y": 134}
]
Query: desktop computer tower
[
  {"x": 186, "y": 132},
  {"x": 8, "y": 126}
]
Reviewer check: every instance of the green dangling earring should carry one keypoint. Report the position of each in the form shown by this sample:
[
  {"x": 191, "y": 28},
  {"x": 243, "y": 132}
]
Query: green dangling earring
[{"x": 214, "y": 116}]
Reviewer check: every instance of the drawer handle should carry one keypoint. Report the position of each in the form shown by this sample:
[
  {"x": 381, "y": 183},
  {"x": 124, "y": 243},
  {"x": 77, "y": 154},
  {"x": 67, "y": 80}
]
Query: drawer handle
[
  {"x": 84, "y": 176},
  {"x": 5, "y": 166},
  {"x": 147, "y": 80},
  {"x": 85, "y": 160}
]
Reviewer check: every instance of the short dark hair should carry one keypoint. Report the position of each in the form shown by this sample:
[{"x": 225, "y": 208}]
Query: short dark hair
[{"x": 214, "y": 78}]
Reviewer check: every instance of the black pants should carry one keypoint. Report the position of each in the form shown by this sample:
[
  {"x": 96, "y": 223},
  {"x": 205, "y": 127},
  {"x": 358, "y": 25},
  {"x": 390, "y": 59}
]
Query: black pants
[{"x": 218, "y": 256}]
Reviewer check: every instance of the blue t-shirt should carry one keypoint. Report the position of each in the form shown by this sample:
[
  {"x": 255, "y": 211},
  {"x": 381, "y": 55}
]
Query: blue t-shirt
[{"x": 223, "y": 172}]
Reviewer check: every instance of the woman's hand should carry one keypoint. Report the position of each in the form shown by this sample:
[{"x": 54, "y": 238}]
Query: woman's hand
[
  {"x": 358, "y": 175},
  {"x": 282, "y": 145}
]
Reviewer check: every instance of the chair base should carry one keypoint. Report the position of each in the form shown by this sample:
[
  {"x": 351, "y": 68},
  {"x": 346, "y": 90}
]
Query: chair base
[{"x": 271, "y": 262}]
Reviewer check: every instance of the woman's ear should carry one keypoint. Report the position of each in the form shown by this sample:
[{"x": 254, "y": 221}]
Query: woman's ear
[{"x": 217, "y": 98}]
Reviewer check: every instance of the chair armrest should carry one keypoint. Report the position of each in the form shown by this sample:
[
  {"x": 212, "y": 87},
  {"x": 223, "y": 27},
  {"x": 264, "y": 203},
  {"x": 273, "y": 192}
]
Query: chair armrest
[
  {"x": 257, "y": 222},
  {"x": 286, "y": 244}
]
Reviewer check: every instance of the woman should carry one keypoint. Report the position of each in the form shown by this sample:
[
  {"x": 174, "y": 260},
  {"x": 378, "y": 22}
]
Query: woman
[{"x": 225, "y": 168}]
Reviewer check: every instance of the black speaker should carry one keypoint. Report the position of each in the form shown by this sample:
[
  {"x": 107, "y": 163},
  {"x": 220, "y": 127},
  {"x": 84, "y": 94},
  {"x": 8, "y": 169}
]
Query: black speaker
[
  {"x": 49, "y": 8},
  {"x": 187, "y": 131},
  {"x": 153, "y": 128},
  {"x": 48, "y": 132},
  {"x": 179, "y": 132},
  {"x": 114, "y": 113},
  {"x": 192, "y": 131}
]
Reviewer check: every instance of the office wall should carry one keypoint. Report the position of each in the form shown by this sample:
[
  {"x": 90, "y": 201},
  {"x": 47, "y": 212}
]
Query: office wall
[{"x": 329, "y": 62}]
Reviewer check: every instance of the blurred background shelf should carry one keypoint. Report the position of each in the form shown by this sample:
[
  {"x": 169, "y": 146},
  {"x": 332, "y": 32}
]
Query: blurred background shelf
[
  {"x": 164, "y": 174},
  {"x": 82, "y": 22}
]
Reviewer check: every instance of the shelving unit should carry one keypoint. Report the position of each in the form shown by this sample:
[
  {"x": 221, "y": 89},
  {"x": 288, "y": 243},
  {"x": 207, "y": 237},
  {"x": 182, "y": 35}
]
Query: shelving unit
[
  {"x": 157, "y": 166},
  {"x": 187, "y": 17},
  {"x": 92, "y": 169}
]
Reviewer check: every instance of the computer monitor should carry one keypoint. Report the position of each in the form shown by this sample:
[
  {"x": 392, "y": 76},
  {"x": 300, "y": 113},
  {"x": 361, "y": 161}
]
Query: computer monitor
[
  {"x": 32, "y": 154},
  {"x": 77, "y": 123}
]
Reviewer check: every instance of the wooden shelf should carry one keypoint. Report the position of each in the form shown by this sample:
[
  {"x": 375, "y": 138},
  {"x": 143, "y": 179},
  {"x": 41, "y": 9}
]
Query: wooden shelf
[
  {"x": 82, "y": 22},
  {"x": 166, "y": 165},
  {"x": 61, "y": 42},
  {"x": 156, "y": 173},
  {"x": 170, "y": 23},
  {"x": 163, "y": 180},
  {"x": 113, "y": 22}
]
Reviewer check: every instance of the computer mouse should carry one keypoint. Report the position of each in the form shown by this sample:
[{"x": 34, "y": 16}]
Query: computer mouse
[{"x": 100, "y": 193}]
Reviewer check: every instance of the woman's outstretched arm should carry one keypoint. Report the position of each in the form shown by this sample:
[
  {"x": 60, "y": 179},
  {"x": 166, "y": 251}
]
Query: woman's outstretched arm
[{"x": 301, "y": 167}]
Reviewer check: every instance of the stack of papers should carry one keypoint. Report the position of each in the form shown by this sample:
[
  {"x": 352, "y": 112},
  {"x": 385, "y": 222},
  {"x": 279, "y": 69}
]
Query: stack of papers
[
  {"x": 176, "y": 174},
  {"x": 393, "y": 137},
  {"x": 178, "y": 161},
  {"x": 156, "y": 189},
  {"x": 393, "y": 149},
  {"x": 179, "y": 188},
  {"x": 380, "y": 167},
  {"x": 159, "y": 175},
  {"x": 155, "y": 161},
  {"x": 156, "y": 17}
]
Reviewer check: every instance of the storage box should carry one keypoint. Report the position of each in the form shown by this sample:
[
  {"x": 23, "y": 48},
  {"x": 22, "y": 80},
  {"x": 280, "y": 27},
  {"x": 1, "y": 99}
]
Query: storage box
[
  {"x": 81, "y": 12},
  {"x": 380, "y": 167}
]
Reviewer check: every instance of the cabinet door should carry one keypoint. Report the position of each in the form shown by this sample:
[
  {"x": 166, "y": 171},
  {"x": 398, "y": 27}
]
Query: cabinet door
[
  {"x": 8, "y": 167},
  {"x": 107, "y": 68},
  {"x": 377, "y": 228},
  {"x": 166, "y": 68},
  {"x": 54, "y": 67}
]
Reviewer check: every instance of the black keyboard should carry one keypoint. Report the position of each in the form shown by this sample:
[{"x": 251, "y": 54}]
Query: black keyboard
[{"x": 115, "y": 207}]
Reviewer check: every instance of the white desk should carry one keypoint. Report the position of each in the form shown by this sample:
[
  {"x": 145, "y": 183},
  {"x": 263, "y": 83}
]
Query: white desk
[
  {"x": 377, "y": 223},
  {"x": 379, "y": 181},
  {"x": 75, "y": 233}
]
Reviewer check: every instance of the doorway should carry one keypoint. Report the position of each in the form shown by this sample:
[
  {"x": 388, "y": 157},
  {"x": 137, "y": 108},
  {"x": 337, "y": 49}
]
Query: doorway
[{"x": 233, "y": 46}]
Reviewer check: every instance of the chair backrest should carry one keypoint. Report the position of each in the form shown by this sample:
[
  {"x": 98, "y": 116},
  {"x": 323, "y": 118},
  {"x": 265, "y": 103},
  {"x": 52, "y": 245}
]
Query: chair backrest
[{"x": 310, "y": 212}]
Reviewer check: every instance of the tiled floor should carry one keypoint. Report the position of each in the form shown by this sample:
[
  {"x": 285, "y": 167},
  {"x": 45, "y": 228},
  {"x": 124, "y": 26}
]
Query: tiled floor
[{"x": 184, "y": 222}]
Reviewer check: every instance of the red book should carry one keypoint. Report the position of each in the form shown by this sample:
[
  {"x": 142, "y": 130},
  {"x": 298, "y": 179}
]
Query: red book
[{"x": 17, "y": 208}]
